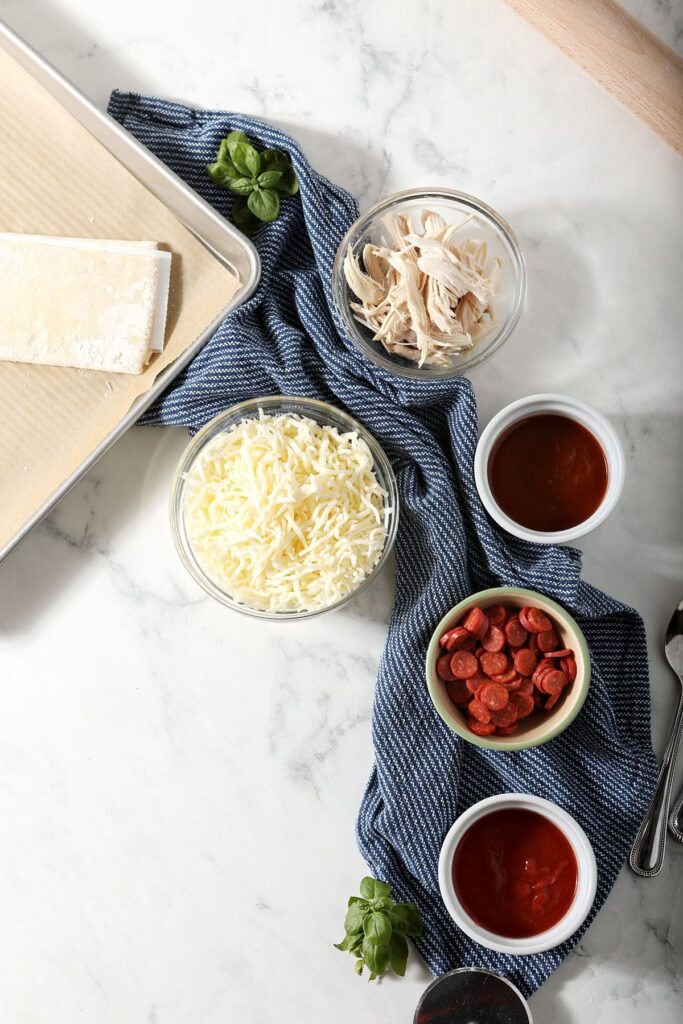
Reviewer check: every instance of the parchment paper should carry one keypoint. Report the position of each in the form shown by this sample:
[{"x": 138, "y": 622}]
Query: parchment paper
[{"x": 56, "y": 179}]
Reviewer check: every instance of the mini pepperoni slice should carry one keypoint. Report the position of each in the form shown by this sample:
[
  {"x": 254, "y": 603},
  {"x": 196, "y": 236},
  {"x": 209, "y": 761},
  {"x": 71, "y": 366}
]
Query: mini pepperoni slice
[
  {"x": 548, "y": 640},
  {"x": 505, "y": 678},
  {"x": 540, "y": 670},
  {"x": 443, "y": 668},
  {"x": 458, "y": 691},
  {"x": 515, "y": 632},
  {"x": 454, "y": 638},
  {"x": 478, "y": 711},
  {"x": 533, "y": 643},
  {"x": 523, "y": 703},
  {"x": 493, "y": 664},
  {"x": 513, "y": 685},
  {"x": 525, "y": 661},
  {"x": 475, "y": 681},
  {"x": 552, "y": 701},
  {"x": 497, "y": 615},
  {"x": 538, "y": 620},
  {"x": 463, "y": 664},
  {"x": 482, "y": 728},
  {"x": 476, "y": 623},
  {"x": 507, "y": 730},
  {"x": 559, "y": 654},
  {"x": 526, "y": 686},
  {"x": 569, "y": 667},
  {"x": 540, "y": 684},
  {"x": 553, "y": 682},
  {"x": 494, "y": 696},
  {"x": 505, "y": 716},
  {"x": 523, "y": 618},
  {"x": 494, "y": 640}
]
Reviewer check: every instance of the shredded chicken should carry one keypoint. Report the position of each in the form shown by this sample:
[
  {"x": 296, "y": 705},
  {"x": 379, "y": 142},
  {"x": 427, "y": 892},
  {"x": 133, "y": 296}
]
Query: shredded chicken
[{"x": 428, "y": 297}]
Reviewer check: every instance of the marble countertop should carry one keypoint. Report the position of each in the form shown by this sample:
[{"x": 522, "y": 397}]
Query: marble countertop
[{"x": 178, "y": 785}]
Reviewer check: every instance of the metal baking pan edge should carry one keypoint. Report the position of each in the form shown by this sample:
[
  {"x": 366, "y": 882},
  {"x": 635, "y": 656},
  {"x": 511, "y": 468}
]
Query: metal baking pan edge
[{"x": 224, "y": 241}]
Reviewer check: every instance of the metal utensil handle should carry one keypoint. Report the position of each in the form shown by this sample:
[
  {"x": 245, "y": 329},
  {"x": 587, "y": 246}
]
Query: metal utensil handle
[
  {"x": 675, "y": 822},
  {"x": 647, "y": 852}
]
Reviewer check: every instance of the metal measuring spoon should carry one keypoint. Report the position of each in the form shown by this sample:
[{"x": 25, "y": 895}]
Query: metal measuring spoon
[{"x": 647, "y": 852}]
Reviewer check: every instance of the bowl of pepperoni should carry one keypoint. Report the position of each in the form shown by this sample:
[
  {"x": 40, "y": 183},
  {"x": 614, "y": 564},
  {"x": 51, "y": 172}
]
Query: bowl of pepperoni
[{"x": 508, "y": 669}]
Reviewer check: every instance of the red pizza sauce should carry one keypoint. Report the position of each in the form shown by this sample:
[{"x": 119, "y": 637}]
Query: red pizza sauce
[
  {"x": 548, "y": 472},
  {"x": 515, "y": 873}
]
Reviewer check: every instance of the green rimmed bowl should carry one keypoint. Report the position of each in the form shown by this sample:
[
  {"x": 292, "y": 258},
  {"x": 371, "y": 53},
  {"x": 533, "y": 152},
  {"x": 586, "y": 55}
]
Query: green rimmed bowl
[{"x": 541, "y": 726}]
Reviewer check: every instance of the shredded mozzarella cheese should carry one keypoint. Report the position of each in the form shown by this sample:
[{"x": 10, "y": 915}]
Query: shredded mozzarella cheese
[{"x": 285, "y": 514}]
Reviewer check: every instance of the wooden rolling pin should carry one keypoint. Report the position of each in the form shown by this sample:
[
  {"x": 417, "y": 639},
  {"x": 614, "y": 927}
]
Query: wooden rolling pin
[{"x": 619, "y": 54}]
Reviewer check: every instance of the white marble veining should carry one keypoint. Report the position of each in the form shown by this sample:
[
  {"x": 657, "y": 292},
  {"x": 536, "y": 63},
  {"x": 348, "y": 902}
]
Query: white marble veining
[{"x": 178, "y": 785}]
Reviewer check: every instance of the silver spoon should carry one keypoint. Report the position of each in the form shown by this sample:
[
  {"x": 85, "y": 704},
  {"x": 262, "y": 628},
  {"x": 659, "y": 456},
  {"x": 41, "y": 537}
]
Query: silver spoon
[
  {"x": 675, "y": 820},
  {"x": 647, "y": 852}
]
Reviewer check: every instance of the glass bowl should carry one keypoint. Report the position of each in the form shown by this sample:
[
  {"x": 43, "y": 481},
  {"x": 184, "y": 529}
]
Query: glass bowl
[
  {"x": 485, "y": 225},
  {"x": 325, "y": 415}
]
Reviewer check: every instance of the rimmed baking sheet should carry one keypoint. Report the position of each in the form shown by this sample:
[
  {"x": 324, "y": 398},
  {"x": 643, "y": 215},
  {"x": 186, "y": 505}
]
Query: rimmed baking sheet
[{"x": 68, "y": 169}]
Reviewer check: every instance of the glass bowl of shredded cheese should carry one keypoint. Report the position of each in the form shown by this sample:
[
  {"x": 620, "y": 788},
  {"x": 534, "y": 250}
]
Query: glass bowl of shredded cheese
[
  {"x": 429, "y": 283},
  {"x": 284, "y": 507}
]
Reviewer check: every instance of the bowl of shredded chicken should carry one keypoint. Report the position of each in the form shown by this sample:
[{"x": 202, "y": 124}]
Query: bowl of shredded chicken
[
  {"x": 429, "y": 283},
  {"x": 284, "y": 507}
]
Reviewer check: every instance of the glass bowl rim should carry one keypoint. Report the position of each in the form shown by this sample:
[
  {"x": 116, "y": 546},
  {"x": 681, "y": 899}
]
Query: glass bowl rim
[
  {"x": 315, "y": 408},
  {"x": 380, "y": 357}
]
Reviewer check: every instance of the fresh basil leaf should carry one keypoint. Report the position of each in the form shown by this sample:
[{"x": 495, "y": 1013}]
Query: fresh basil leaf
[
  {"x": 356, "y": 899},
  {"x": 246, "y": 159},
  {"x": 372, "y": 889},
  {"x": 264, "y": 204},
  {"x": 377, "y": 927},
  {"x": 275, "y": 160},
  {"x": 351, "y": 941},
  {"x": 415, "y": 927},
  {"x": 358, "y": 966},
  {"x": 232, "y": 140},
  {"x": 376, "y": 956},
  {"x": 405, "y": 918},
  {"x": 382, "y": 889},
  {"x": 242, "y": 215},
  {"x": 384, "y": 903},
  {"x": 398, "y": 953},
  {"x": 241, "y": 186},
  {"x": 355, "y": 915},
  {"x": 269, "y": 178},
  {"x": 220, "y": 174},
  {"x": 288, "y": 185},
  {"x": 223, "y": 157},
  {"x": 367, "y": 888}
]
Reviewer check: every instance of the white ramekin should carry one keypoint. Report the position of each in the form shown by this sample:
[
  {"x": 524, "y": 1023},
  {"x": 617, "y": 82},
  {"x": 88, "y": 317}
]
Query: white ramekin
[
  {"x": 585, "y": 889},
  {"x": 563, "y": 405}
]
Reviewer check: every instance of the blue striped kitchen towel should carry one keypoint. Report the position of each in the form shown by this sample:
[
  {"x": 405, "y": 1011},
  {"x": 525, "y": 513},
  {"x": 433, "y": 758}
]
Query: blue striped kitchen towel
[{"x": 286, "y": 339}]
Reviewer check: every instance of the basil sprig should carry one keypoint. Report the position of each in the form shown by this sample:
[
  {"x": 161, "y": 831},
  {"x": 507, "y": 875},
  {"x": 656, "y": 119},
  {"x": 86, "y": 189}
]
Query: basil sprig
[
  {"x": 376, "y": 929},
  {"x": 257, "y": 179}
]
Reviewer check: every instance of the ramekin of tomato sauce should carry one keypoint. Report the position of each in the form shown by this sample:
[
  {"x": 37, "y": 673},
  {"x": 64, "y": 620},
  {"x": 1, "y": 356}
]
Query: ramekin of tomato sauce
[
  {"x": 549, "y": 468},
  {"x": 517, "y": 874}
]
